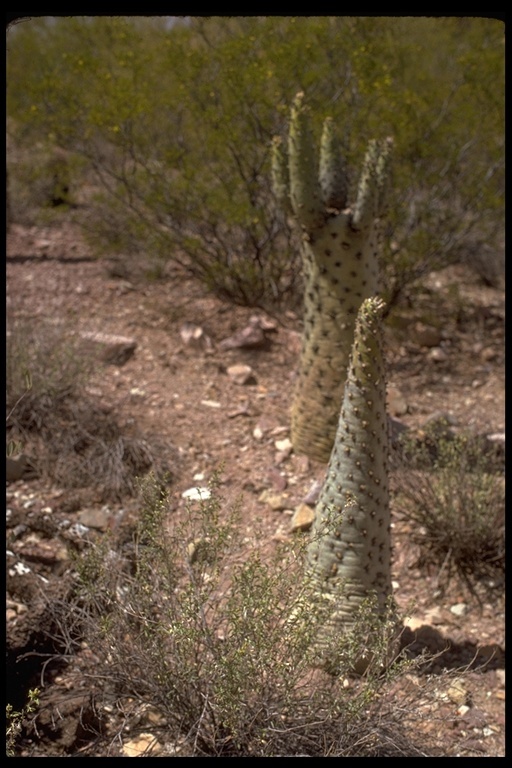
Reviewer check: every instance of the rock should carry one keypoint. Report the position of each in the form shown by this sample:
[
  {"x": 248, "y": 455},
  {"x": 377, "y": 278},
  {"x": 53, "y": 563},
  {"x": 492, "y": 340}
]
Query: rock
[
  {"x": 100, "y": 519},
  {"x": 276, "y": 501},
  {"x": 241, "y": 374},
  {"x": 437, "y": 355},
  {"x": 143, "y": 744},
  {"x": 196, "y": 494},
  {"x": 488, "y": 354},
  {"x": 459, "y": 609},
  {"x": 397, "y": 404},
  {"x": 427, "y": 335},
  {"x": 313, "y": 494},
  {"x": 109, "y": 348},
  {"x": 458, "y": 692},
  {"x": 16, "y": 467},
  {"x": 253, "y": 336},
  {"x": 265, "y": 323},
  {"x": 278, "y": 479},
  {"x": 194, "y": 336},
  {"x": 435, "y": 616},
  {"x": 200, "y": 551},
  {"x": 284, "y": 446},
  {"x": 303, "y": 518}
]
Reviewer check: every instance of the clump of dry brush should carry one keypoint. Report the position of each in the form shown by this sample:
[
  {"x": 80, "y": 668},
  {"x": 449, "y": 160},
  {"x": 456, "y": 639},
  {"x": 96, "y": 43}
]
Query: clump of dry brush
[{"x": 74, "y": 439}]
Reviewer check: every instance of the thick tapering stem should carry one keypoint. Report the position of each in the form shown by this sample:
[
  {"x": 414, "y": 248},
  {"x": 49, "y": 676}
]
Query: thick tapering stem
[{"x": 349, "y": 556}]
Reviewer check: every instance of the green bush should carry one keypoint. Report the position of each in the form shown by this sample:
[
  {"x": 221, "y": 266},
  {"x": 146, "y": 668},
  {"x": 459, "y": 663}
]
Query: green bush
[
  {"x": 15, "y": 719},
  {"x": 175, "y": 123}
]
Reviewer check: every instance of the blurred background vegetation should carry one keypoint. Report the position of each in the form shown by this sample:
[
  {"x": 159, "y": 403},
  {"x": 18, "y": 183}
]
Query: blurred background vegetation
[{"x": 156, "y": 137}]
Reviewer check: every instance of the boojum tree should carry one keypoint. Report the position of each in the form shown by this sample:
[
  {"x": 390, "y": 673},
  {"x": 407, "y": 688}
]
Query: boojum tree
[
  {"x": 349, "y": 553},
  {"x": 340, "y": 247}
]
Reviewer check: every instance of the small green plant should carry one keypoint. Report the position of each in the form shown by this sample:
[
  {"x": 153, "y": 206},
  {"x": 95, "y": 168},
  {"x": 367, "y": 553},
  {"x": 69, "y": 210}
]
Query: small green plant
[
  {"x": 14, "y": 720},
  {"x": 457, "y": 507},
  {"x": 218, "y": 637}
]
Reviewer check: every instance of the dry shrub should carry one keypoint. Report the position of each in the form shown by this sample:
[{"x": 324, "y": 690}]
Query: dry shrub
[
  {"x": 74, "y": 440},
  {"x": 451, "y": 491},
  {"x": 194, "y": 626}
]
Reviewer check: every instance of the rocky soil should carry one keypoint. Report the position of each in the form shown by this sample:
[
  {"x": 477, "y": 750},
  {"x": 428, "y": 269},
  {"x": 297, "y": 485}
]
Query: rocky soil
[{"x": 212, "y": 383}]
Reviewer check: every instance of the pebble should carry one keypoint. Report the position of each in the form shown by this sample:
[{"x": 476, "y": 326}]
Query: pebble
[
  {"x": 427, "y": 335},
  {"x": 276, "y": 501},
  {"x": 303, "y": 518},
  {"x": 284, "y": 445},
  {"x": 143, "y": 744},
  {"x": 241, "y": 374},
  {"x": 437, "y": 355},
  {"x": 459, "y": 609},
  {"x": 196, "y": 494}
]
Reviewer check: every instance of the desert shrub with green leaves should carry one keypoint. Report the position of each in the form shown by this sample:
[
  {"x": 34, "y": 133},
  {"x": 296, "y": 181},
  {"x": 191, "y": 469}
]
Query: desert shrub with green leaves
[
  {"x": 455, "y": 500},
  {"x": 175, "y": 121},
  {"x": 15, "y": 718},
  {"x": 217, "y": 637},
  {"x": 72, "y": 438}
]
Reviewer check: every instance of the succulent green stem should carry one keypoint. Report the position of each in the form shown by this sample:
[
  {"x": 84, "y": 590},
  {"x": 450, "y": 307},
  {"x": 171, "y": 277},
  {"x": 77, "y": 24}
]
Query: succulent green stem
[
  {"x": 340, "y": 249},
  {"x": 349, "y": 555}
]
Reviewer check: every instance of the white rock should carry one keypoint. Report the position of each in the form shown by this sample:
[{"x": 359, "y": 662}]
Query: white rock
[
  {"x": 241, "y": 374},
  {"x": 437, "y": 355},
  {"x": 459, "y": 609},
  {"x": 196, "y": 494},
  {"x": 144, "y": 743}
]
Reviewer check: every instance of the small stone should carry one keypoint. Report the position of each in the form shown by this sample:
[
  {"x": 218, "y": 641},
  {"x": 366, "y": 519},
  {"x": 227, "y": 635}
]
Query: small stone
[
  {"x": 144, "y": 744},
  {"x": 200, "y": 551},
  {"x": 459, "y": 609},
  {"x": 241, "y": 374},
  {"x": 110, "y": 348},
  {"x": 437, "y": 355},
  {"x": 434, "y": 616},
  {"x": 427, "y": 335},
  {"x": 303, "y": 518},
  {"x": 487, "y": 354},
  {"x": 251, "y": 337},
  {"x": 313, "y": 494},
  {"x": 397, "y": 404},
  {"x": 414, "y": 622},
  {"x": 100, "y": 519},
  {"x": 276, "y": 501},
  {"x": 16, "y": 467},
  {"x": 278, "y": 479},
  {"x": 194, "y": 336},
  {"x": 458, "y": 693},
  {"x": 284, "y": 446},
  {"x": 196, "y": 494}
]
